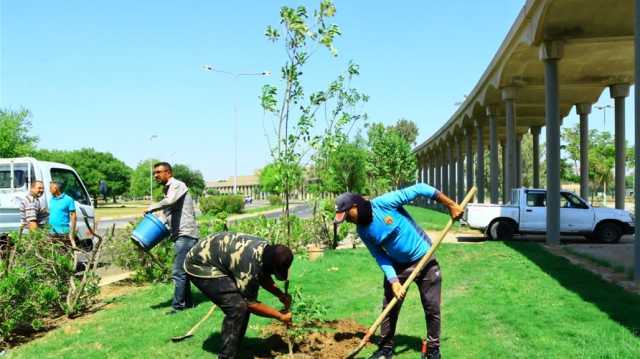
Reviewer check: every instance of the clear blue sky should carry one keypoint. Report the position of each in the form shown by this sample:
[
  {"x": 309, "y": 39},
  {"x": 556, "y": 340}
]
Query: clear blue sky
[{"x": 110, "y": 74}]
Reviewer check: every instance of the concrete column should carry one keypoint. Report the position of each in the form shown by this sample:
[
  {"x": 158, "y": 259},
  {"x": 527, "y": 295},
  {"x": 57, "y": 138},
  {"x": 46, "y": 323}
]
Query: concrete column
[
  {"x": 493, "y": 157},
  {"x": 445, "y": 170},
  {"x": 583, "y": 110},
  {"x": 479, "y": 160},
  {"x": 550, "y": 54},
  {"x": 504, "y": 171},
  {"x": 518, "y": 175},
  {"x": 460, "y": 170},
  {"x": 636, "y": 191},
  {"x": 535, "y": 133},
  {"x": 619, "y": 92},
  {"x": 509, "y": 96},
  {"x": 469, "y": 151},
  {"x": 452, "y": 171},
  {"x": 438, "y": 169}
]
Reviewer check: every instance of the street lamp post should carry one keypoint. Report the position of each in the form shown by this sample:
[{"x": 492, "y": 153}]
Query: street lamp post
[
  {"x": 151, "y": 171},
  {"x": 604, "y": 113},
  {"x": 604, "y": 121},
  {"x": 235, "y": 76}
]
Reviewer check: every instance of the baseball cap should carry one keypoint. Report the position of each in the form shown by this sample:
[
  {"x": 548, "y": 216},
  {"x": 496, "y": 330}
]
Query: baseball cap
[{"x": 344, "y": 202}]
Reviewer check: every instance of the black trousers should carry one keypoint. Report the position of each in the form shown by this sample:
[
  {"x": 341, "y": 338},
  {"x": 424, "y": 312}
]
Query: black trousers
[
  {"x": 429, "y": 283},
  {"x": 224, "y": 293}
]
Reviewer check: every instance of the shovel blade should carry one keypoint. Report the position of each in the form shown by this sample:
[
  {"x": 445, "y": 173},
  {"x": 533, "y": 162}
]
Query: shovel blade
[{"x": 181, "y": 338}]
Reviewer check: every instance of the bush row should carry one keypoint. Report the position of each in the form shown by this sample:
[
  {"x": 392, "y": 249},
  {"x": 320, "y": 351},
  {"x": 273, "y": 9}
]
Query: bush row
[{"x": 222, "y": 203}]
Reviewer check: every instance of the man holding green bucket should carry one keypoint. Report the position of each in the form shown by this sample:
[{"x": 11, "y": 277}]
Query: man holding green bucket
[{"x": 177, "y": 207}]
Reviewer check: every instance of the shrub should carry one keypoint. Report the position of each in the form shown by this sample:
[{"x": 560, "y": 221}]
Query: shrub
[
  {"x": 223, "y": 203},
  {"x": 317, "y": 230},
  {"x": 209, "y": 224},
  {"x": 36, "y": 283},
  {"x": 274, "y": 200},
  {"x": 146, "y": 268}
]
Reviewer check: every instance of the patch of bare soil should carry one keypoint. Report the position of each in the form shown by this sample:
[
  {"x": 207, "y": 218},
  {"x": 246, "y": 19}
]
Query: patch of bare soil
[{"x": 333, "y": 340}]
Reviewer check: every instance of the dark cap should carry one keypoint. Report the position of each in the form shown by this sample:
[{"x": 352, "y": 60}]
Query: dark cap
[{"x": 344, "y": 202}]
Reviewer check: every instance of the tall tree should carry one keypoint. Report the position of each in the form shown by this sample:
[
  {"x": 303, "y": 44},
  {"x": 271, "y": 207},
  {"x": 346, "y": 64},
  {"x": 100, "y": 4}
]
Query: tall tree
[
  {"x": 407, "y": 129},
  {"x": 15, "y": 140},
  {"x": 94, "y": 166},
  {"x": 192, "y": 178},
  {"x": 391, "y": 162},
  {"x": 346, "y": 169},
  {"x": 571, "y": 138},
  {"x": 142, "y": 181},
  {"x": 271, "y": 177}
]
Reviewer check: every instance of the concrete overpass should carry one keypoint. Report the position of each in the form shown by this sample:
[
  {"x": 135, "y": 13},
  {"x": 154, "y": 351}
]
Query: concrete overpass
[{"x": 559, "y": 56}]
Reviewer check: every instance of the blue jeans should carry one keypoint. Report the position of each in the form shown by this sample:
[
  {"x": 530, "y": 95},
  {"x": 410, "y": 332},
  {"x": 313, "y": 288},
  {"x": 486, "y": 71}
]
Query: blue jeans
[{"x": 182, "y": 292}]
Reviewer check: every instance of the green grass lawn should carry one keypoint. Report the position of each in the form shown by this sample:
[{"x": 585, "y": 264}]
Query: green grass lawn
[
  {"x": 429, "y": 219},
  {"x": 124, "y": 209},
  {"x": 500, "y": 300}
]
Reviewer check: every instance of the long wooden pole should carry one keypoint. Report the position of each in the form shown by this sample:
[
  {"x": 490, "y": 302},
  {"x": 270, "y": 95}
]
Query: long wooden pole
[{"x": 407, "y": 283}]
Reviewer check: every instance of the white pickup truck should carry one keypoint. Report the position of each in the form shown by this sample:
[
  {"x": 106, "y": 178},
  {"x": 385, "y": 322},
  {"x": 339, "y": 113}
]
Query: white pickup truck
[
  {"x": 16, "y": 176},
  {"x": 527, "y": 213}
]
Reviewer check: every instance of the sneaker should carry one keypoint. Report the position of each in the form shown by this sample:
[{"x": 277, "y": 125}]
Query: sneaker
[
  {"x": 382, "y": 353},
  {"x": 433, "y": 354}
]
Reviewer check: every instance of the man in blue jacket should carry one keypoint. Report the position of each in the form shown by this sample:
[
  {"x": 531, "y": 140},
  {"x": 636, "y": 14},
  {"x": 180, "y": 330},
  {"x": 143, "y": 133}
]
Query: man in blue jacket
[{"x": 397, "y": 243}]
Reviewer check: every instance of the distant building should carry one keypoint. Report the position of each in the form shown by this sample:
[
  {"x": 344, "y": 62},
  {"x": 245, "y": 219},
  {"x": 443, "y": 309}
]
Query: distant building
[{"x": 250, "y": 186}]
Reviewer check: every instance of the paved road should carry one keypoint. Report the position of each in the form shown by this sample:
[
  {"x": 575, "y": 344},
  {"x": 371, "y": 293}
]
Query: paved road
[{"x": 304, "y": 210}]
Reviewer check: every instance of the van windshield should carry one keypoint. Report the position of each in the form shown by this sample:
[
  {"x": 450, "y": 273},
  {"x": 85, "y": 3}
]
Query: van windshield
[{"x": 20, "y": 174}]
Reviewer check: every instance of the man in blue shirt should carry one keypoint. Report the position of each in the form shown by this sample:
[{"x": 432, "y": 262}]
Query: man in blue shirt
[
  {"x": 397, "y": 243},
  {"x": 62, "y": 213}
]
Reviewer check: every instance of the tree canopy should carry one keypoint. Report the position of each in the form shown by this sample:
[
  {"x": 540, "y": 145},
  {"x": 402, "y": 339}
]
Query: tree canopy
[{"x": 15, "y": 140}]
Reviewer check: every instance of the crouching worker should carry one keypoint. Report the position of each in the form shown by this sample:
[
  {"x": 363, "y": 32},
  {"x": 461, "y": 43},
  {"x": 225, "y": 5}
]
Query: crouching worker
[{"x": 229, "y": 268}]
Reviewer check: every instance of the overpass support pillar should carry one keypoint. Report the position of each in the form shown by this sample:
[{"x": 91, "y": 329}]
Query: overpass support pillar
[
  {"x": 535, "y": 133},
  {"x": 493, "y": 156},
  {"x": 550, "y": 54},
  {"x": 460, "y": 171},
  {"x": 583, "y": 110},
  {"x": 452, "y": 167},
  {"x": 480, "y": 160},
  {"x": 518, "y": 175},
  {"x": 619, "y": 92},
  {"x": 504, "y": 171},
  {"x": 636, "y": 190},
  {"x": 509, "y": 97},
  {"x": 469, "y": 152}
]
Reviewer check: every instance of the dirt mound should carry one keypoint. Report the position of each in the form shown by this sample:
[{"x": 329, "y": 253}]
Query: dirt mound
[{"x": 333, "y": 340}]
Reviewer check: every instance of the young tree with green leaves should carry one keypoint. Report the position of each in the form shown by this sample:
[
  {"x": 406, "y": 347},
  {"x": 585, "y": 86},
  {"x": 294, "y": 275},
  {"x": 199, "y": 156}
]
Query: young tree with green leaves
[{"x": 295, "y": 113}]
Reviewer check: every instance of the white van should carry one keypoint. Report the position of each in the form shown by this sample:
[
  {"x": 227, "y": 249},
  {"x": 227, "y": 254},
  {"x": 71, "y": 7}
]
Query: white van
[{"x": 16, "y": 176}]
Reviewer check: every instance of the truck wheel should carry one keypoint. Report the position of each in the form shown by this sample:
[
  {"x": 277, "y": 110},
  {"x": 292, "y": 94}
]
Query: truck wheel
[
  {"x": 608, "y": 232},
  {"x": 501, "y": 230}
]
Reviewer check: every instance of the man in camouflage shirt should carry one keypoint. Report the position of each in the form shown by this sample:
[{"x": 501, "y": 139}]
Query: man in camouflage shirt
[{"x": 230, "y": 268}]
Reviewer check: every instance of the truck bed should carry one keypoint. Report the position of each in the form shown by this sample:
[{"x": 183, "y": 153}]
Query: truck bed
[{"x": 480, "y": 215}]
